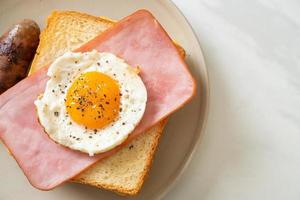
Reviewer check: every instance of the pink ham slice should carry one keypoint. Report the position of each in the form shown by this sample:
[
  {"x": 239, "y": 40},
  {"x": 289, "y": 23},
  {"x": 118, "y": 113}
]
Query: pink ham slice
[{"x": 141, "y": 41}]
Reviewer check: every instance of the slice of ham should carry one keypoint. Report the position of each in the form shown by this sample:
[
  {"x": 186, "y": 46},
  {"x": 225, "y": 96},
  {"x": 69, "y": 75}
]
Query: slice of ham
[{"x": 141, "y": 41}]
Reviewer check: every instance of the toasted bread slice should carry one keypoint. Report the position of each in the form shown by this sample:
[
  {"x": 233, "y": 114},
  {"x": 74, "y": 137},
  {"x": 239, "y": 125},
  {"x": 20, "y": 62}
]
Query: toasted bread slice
[{"x": 125, "y": 171}]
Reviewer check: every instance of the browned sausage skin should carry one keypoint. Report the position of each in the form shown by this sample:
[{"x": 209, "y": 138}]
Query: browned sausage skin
[{"x": 17, "y": 48}]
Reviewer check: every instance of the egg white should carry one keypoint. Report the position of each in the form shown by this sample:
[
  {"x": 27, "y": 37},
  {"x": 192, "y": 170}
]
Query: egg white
[{"x": 58, "y": 124}]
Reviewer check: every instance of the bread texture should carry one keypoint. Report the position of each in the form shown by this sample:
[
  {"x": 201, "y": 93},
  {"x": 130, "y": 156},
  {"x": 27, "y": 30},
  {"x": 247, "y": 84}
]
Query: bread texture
[{"x": 125, "y": 171}]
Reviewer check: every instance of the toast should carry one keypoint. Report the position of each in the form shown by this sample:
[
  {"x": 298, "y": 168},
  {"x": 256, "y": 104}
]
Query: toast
[{"x": 125, "y": 171}]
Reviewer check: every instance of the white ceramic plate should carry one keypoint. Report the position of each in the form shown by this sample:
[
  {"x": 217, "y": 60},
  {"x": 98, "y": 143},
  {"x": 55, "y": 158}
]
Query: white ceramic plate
[{"x": 182, "y": 132}]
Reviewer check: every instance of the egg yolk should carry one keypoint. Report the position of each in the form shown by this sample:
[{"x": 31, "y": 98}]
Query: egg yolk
[{"x": 93, "y": 100}]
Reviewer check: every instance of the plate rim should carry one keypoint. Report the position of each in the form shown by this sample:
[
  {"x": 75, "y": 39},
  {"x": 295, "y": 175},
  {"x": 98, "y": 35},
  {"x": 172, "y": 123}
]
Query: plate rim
[{"x": 201, "y": 129}]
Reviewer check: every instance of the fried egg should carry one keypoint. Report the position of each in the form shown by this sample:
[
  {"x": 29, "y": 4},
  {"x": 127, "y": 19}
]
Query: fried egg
[{"x": 92, "y": 101}]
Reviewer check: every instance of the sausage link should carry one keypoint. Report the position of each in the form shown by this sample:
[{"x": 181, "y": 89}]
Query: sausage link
[{"x": 17, "y": 48}]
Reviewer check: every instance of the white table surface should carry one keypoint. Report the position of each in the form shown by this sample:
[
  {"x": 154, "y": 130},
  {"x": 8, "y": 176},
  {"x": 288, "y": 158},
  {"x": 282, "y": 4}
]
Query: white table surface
[{"x": 251, "y": 149}]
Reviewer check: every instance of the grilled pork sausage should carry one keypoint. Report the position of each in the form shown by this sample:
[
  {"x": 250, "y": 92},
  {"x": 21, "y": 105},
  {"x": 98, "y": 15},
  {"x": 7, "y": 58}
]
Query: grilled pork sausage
[{"x": 17, "y": 48}]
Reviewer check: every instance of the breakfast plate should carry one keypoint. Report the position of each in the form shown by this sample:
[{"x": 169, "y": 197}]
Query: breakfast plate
[{"x": 183, "y": 130}]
